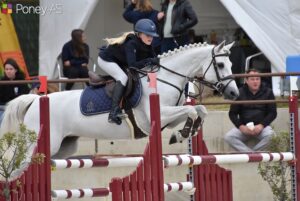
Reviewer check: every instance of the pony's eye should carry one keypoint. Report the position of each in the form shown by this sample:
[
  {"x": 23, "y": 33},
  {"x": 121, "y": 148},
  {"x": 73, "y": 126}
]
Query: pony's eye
[{"x": 220, "y": 65}]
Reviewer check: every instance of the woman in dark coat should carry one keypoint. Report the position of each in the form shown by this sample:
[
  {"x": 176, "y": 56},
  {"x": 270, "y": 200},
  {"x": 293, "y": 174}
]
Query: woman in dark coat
[
  {"x": 143, "y": 9},
  {"x": 75, "y": 56},
  {"x": 12, "y": 72}
]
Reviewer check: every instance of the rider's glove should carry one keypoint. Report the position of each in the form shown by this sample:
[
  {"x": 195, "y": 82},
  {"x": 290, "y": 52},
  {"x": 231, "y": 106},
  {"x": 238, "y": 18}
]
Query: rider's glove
[{"x": 154, "y": 61}]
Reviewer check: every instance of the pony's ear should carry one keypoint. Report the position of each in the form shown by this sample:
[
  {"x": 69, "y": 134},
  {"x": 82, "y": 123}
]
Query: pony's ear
[
  {"x": 229, "y": 46},
  {"x": 220, "y": 46}
]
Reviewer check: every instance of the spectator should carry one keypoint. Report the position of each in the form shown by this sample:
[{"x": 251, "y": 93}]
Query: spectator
[
  {"x": 142, "y": 9},
  {"x": 129, "y": 50},
  {"x": 8, "y": 92},
  {"x": 252, "y": 121},
  {"x": 75, "y": 57},
  {"x": 178, "y": 19}
]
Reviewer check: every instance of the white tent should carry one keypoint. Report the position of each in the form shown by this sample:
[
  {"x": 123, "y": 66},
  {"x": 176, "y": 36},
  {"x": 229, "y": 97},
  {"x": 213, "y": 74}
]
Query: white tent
[
  {"x": 273, "y": 25},
  {"x": 55, "y": 29}
]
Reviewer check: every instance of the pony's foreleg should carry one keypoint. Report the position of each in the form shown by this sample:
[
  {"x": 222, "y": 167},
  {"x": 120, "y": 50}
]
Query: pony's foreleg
[
  {"x": 171, "y": 115},
  {"x": 180, "y": 135},
  {"x": 202, "y": 112},
  {"x": 177, "y": 114},
  {"x": 191, "y": 124},
  {"x": 189, "y": 130}
]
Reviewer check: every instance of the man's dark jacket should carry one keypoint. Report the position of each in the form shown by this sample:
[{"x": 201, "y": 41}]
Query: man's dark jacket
[
  {"x": 258, "y": 113},
  {"x": 183, "y": 17}
]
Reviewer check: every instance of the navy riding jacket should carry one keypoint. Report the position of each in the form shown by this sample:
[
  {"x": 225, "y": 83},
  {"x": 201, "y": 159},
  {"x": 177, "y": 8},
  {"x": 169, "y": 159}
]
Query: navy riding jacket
[{"x": 132, "y": 53}]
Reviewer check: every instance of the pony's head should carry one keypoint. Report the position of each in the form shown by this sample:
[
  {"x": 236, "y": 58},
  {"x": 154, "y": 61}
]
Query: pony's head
[
  {"x": 217, "y": 72},
  {"x": 184, "y": 63}
]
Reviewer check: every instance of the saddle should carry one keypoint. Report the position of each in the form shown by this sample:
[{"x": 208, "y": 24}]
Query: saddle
[
  {"x": 96, "y": 98},
  {"x": 109, "y": 83}
]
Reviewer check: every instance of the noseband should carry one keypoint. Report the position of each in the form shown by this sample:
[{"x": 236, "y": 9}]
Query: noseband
[{"x": 219, "y": 86}]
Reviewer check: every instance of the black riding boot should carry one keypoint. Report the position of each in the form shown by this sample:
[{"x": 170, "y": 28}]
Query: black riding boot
[{"x": 113, "y": 116}]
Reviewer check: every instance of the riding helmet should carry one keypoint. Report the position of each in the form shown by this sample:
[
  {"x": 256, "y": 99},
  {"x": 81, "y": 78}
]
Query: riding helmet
[{"x": 146, "y": 26}]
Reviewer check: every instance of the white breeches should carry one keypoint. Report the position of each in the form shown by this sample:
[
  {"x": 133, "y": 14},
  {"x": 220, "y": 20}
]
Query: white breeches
[{"x": 114, "y": 70}]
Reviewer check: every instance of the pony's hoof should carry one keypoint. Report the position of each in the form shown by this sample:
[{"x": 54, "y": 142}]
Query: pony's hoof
[
  {"x": 173, "y": 139},
  {"x": 176, "y": 137}
]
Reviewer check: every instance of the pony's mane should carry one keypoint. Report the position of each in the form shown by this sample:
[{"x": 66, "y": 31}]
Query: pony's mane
[
  {"x": 181, "y": 49},
  {"x": 184, "y": 48}
]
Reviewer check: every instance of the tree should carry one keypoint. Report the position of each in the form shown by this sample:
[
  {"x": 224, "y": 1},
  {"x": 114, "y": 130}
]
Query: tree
[
  {"x": 278, "y": 174},
  {"x": 14, "y": 147}
]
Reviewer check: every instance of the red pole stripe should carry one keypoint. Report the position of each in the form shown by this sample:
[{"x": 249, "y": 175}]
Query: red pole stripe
[
  {"x": 100, "y": 192},
  {"x": 281, "y": 156},
  {"x": 81, "y": 193},
  {"x": 179, "y": 160},
  {"x": 69, "y": 193},
  {"x": 169, "y": 187},
  {"x": 255, "y": 157},
  {"x": 180, "y": 186},
  {"x": 81, "y": 163},
  {"x": 69, "y": 163},
  {"x": 271, "y": 157},
  {"x": 102, "y": 163},
  {"x": 208, "y": 159},
  {"x": 191, "y": 160}
]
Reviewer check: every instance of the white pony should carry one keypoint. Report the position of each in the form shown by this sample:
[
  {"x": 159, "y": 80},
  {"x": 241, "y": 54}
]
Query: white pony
[{"x": 178, "y": 66}]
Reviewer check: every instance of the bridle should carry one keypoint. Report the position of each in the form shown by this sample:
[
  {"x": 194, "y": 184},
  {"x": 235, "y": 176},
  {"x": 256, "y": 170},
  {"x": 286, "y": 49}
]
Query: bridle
[{"x": 219, "y": 86}]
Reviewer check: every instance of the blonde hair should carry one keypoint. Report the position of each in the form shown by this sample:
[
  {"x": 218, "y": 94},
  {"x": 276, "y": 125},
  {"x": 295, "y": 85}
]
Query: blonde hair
[
  {"x": 118, "y": 40},
  {"x": 144, "y": 5}
]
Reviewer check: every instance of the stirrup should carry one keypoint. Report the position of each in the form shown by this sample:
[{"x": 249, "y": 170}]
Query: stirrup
[
  {"x": 122, "y": 115},
  {"x": 117, "y": 120},
  {"x": 114, "y": 116}
]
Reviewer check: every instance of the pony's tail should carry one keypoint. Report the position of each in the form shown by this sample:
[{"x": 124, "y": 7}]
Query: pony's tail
[{"x": 15, "y": 112}]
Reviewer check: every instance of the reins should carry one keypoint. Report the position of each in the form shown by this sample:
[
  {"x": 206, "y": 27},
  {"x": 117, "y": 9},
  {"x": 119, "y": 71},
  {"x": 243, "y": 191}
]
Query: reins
[
  {"x": 219, "y": 86},
  {"x": 156, "y": 69}
]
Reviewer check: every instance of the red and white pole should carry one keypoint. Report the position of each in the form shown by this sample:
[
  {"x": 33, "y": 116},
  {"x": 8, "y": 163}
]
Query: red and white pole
[{"x": 295, "y": 148}]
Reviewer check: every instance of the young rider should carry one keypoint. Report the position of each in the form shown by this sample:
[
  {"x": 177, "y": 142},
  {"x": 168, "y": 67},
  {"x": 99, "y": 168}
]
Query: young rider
[{"x": 132, "y": 49}]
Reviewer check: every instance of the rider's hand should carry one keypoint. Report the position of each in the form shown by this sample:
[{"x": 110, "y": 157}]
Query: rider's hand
[
  {"x": 67, "y": 63},
  {"x": 160, "y": 15},
  {"x": 154, "y": 61},
  {"x": 84, "y": 64}
]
